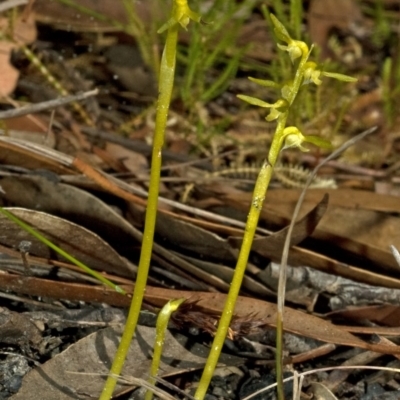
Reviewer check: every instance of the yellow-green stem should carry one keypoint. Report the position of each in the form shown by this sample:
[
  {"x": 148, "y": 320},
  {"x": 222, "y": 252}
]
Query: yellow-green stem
[
  {"x": 167, "y": 72},
  {"x": 259, "y": 193},
  {"x": 298, "y": 78},
  {"x": 280, "y": 304},
  {"x": 284, "y": 137}
]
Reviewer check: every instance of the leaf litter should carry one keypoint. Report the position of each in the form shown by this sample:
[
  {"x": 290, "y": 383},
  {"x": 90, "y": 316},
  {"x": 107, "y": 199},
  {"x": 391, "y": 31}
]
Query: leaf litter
[{"x": 343, "y": 284}]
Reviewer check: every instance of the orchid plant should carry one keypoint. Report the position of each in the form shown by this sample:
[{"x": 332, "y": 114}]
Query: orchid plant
[
  {"x": 181, "y": 15},
  {"x": 285, "y": 137},
  {"x": 306, "y": 72}
]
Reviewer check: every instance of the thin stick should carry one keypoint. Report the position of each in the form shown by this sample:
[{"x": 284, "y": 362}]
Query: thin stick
[{"x": 47, "y": 105}]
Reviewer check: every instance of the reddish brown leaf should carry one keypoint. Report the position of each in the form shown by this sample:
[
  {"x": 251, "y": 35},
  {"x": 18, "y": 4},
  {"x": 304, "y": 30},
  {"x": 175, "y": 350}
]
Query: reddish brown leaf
[{"x": 296, "y": 321}]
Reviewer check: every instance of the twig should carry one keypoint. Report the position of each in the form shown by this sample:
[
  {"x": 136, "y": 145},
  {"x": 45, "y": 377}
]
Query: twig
[{"x": 47, "y": 105}]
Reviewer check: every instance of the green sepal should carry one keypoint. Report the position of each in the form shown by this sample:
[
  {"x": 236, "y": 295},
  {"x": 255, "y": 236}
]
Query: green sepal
[
  {"x": 273, "y": 115},
  {"x": 254, "y": 101},
  {"x": 318, "y": 141},
  {"x": 280, "y": 31},
  {"x": 265, "y": 83},
  {"x": 340, "y": 77}
]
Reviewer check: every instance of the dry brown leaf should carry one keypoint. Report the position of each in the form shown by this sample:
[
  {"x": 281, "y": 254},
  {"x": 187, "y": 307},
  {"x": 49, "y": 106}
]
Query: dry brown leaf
[
  {"x": 346, "y": 198},
  {"x": 321, "y": 392},
  {"x": 81, "y": 369},
  {"x": 386, "y": 314},
  {"x": 220, "y": 277},
  {"x": 64, "y": 17},
  {"x": 300, "y": 256},
  {"x": 303, "y": 228},
  {"x": 24, "y": 33},
  {"x": 349, "y": 222},
  {"x": 33, "y": 156},
  {"x": 62, "y": 290},
  {"x": 74, "y": 239},
  {"x": 296, "y": 321},
  {"x": 31, "y": 129},
  {"x": 133, "y": 161},
  {"x": 8, "y": 73},
  {"x": 18, "y": 329},
  {"x": 193, "y": 238},
  {"x": 325, "y": 15},
  {"x": 41, "y": 193}
]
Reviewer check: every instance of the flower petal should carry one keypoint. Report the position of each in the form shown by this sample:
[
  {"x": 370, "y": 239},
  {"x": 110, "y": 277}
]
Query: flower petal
[
  {"x": 254, "y": 101},
  {"x": 280, "y": 31},
  {"x": 273, "y": 115},
  {"x": 265, "y": 82},
  {"x": 340, "y": 77},
  {"x": 294, "y": 51},
  {"x": 318, "y": 141}
]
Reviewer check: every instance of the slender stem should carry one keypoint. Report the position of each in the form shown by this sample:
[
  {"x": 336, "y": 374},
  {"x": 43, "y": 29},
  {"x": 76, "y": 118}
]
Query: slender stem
[
  {"x": 262, "y": 182},
  {"x": 298, "y": 78},
  {"x": 259, "y": 193},
  {"x": 167, "y": 72}
]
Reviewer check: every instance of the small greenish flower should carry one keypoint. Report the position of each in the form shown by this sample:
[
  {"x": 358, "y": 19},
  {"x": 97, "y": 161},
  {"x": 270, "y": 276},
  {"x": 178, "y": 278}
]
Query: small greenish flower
[
  {"x": 277, "y": 109},
  {"x": 294, "y": 138},
  {"x": 313, "y": 74},
  {"x": 295, "y": 49},
  {"x": 181, "y": 14},
  {"x": 287, "y": 90}
]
